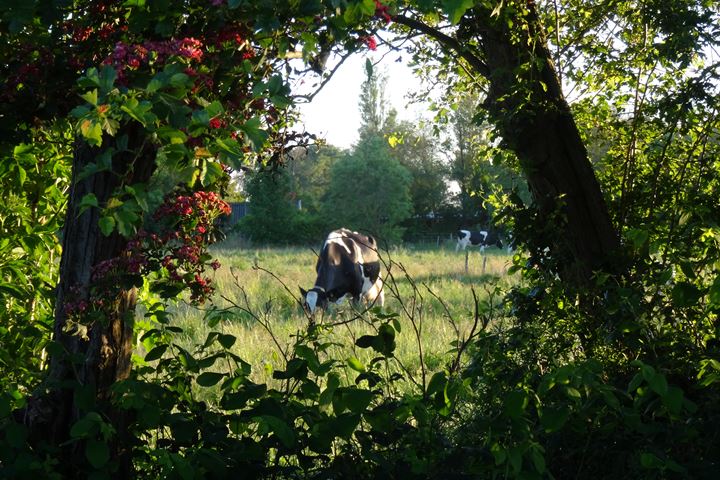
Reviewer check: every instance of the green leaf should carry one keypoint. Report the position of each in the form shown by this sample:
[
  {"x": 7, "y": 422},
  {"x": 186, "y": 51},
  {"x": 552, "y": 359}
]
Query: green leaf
[
  {"x": 107, "y": 225},
  {"x": 296, "y": 368},
  {"x": 396, "y": 324},
  {"x": 714, "y": 293},
  {"x": 355, "y": 364},
  {"x": 658, "y": 383},
  {"x": 107, "y": 78},
  {"x": 139, "y": 111},
  {"x": 280, "y": 429},
  {"x": 573, "y": 393},
  {"x": 13, "y": 291},
  {"x": 172, "y": 135},
  {"x": 126, "y": 220},
  {"x": 455, "y": 9},
  {"x": 553, "y": 418},
  {"x": 91, "y": 131},
  {"x": 97, "y": 453},
  {"x": 368, "y": 67},
  {"x": 538, "y": 460},
  {"x": 649, "y": 460},
  {"x": 91, "y": 97},
  {"x": 355, "y": 399},
  {"x": 437, "y": 383},
  {"x": 226, "y": 340},
  {"x": 86, "y": 426},
  {"x": 211, "y": 173},
  {"x": 685, "y": 294},
  {"x": 156, "y": 353},
  {"x": 333, "y": 382},
  {"x": 515, "y": 403},
  {"x": 365, "y": 341},
  {"x": 352, "y": 14},
  {"x": 208, "y": 379},
  {"x": 254, "y": 134},
  {"x": 673, "y": 400},
  {"x": 214, "y": 109},
  {"x": 345, "y": 424},
  {"x": 180, "y": 80},
  {"x": 89, "y": 200}
]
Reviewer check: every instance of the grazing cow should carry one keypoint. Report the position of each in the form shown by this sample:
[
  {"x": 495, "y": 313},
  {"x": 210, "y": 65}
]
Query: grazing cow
[
  {"x": 348, "y": 264},
  {"x": 480, "y": 239}
]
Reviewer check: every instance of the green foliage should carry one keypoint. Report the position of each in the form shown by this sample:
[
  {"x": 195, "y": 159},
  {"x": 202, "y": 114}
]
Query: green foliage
[
  {"x": 273, "y": 215},
  {"x": 369, "y": 191},
  {"x": 311, "y": 422},
  {"x": 310, "y": 170},
  {"x": 34, "y": 179},
  {"x": 418, "y": 150},
  {"x": 372, "y": 103}
]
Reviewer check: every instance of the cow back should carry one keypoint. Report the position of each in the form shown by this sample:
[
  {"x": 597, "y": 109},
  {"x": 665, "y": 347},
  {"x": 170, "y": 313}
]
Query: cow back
[{"x": 347, "y": 258}]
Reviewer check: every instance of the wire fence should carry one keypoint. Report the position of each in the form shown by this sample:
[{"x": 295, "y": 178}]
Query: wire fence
[{"x": 431, "y": 239}]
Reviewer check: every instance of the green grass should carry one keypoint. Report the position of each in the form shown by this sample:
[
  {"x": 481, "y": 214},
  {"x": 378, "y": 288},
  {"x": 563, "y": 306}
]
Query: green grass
[{"x": 437, "y": 273}]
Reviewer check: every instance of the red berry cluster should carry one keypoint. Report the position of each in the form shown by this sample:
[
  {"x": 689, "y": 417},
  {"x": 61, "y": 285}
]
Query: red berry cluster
[
  {"x": 181, "y": 249},
  {"x": 127, "y": 56},
  {"x": 381, "y": 11},
  {"x": 370, "y": 41},
  {"x": 176, "y": 251}
]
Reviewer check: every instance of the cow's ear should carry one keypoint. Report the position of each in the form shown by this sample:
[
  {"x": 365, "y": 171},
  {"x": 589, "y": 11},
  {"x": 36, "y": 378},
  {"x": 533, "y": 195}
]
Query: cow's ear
[{"x": 303, "y": 292}]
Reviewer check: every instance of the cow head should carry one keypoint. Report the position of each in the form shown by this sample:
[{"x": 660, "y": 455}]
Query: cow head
[{"x": 314, "y": 298}]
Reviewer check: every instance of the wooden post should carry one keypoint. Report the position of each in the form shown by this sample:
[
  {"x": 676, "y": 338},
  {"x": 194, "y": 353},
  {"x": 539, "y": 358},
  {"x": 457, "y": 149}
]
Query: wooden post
[
  {"x": 484, "y": 262},
  {"x": 467, "y": 253}
]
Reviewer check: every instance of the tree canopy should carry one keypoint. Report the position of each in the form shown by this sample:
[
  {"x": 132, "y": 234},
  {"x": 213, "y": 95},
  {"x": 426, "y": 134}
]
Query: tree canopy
[{"x": 369, "y": 191}]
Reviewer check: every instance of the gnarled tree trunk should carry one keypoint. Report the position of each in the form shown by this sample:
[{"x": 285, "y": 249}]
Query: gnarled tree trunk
[
  {"x": 526, "y": 103},
  {"x": 82, "y": 371},
  {"x": 525, "y": 99}
]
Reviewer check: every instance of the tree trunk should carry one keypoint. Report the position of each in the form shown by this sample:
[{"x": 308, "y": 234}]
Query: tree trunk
[
  {"x": 82, "y": 371},
  {"x": 526, "y": 102}
]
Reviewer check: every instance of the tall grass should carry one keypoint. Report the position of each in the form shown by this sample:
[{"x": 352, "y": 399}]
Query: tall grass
[{"x": 426, "y": 285}]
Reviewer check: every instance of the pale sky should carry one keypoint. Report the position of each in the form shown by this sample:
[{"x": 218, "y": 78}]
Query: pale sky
[{"x": 334, "y": 113}]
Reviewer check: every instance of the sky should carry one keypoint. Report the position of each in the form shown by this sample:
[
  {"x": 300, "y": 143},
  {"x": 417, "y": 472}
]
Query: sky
[{"x": 334, "y": 113}]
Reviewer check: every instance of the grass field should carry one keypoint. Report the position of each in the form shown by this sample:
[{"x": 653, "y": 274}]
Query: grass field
[{"x": 427, "y": 287}]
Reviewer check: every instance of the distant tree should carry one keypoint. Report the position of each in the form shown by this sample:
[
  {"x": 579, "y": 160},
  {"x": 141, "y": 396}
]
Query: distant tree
[
  {"x": 369, "y": 190},
  {"x": 310, "y": 171},
  {"x": 466, "y": 135},
  {"x": 271, "y": 208},
  {"x": 416, "y": 148},
  {"x": 373, "y": 113},
  {"x": 482, "y": 170}
]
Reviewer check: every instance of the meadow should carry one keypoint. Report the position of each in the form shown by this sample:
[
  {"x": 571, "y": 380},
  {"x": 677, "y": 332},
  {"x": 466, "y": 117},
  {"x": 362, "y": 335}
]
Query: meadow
[{"x": 427, "y": 287}]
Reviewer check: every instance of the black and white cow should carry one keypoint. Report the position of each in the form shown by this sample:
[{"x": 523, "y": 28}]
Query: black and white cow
[
  {"x": 348, "y": 265},
  {"x": 481, "y": 238}
]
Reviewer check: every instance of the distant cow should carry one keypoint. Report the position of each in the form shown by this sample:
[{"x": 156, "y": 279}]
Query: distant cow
[
  {"x": 348, "y": 264},
  {"x": 480, "y": 239}
]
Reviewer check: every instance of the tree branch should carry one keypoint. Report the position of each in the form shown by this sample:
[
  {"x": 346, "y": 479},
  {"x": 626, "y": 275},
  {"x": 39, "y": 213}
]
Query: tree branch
[
  {"x": 446, "y": 41},
  {"x": 309, "y": 97}
]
